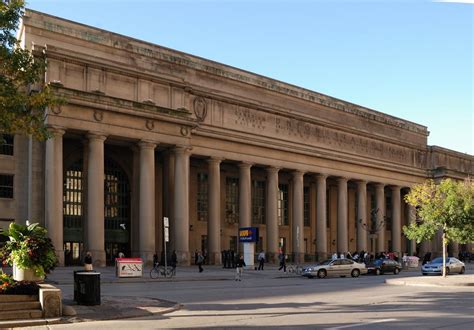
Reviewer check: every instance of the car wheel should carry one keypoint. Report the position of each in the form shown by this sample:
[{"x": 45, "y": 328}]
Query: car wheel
[
  {"x": 447, "y": 270},
  {"x": 355, "y": 273},
  {"x": 424, "y": 274},
  {"x": 378, "y": 272},
  {"x": 396, "y": 271},
  {"x": 463, "y": 270},
  {"x": 322, "y": 273}
]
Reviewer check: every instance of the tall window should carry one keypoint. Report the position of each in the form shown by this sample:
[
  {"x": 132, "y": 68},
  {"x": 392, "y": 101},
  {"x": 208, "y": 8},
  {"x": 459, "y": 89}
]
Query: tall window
[
  {"x": 388, "y": 212},
  {"x": 328, "y": 209},
  {"x": 6, "y": 186},
  {"x": 202, "y": 197},
  {"x": 232, "y": 200},
  {"x": 283, "y": 205},
  {"x": 116, "y": 197},
  {"x": 258, "y": 202},
  {"x": 306, "y": 207},
  {"x": 6, "y": 144},
  {"x": 73, "y": 195}
]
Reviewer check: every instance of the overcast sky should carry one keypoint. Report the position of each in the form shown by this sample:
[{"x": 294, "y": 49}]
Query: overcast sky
[{"x": 411, "y": 59}]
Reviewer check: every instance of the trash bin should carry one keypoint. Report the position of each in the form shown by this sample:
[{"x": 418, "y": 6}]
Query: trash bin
[{"x": 87, "y": 288}]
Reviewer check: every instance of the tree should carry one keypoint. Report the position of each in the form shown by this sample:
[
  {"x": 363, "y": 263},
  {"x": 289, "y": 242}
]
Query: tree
[
  {"x": 23, "y": 96},
  {"x": 447, "y": 206}
]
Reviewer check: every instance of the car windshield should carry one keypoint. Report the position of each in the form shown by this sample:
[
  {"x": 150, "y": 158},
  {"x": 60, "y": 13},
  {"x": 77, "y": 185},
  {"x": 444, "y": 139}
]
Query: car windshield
[
  {"x": 325, "y": 262},
  {"x": 439, "y": 260}
]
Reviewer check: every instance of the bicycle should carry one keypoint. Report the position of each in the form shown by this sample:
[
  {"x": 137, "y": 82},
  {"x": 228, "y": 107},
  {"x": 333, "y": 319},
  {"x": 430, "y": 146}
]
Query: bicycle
[
  {"x": 159, "y": 270},
  {"x": 295, "y": 269}
]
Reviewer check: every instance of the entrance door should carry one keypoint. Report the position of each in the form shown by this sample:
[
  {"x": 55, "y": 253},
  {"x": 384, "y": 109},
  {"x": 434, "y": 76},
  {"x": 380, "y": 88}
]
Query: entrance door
[{"x": 72, "y": 253}]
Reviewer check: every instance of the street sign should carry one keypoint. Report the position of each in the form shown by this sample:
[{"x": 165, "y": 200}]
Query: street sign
[
  {"x": 248, "y": 234},
  {"x": 166, "y": 222},
  {"x": 167, "y": 234}
]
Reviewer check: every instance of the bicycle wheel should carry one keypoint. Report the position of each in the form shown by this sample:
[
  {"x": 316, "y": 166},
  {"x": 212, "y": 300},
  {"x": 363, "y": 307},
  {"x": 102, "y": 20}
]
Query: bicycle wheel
[
  {"x": 291, "y": 269},
  {"x": 154, "y": 273},
  {"x": 169, "y": 272}
]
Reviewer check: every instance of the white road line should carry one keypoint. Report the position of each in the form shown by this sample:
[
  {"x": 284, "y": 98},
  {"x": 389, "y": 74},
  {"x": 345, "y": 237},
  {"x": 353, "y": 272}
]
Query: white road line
[{"x": 361, "y": 324}]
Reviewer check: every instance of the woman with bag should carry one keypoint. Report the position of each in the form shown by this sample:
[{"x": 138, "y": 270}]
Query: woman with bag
[{"x": 88, "y": 262}]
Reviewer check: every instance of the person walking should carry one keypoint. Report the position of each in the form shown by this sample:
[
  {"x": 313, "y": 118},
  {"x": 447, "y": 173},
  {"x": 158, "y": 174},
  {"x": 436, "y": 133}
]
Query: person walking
[
  {"x": 240, "y": 264},
  {"x": 88, "y": 262},
  {"x": 282, "y": 259},
  {"x": 174, "y": 261},
  {"x": 199, "y": 261},
  {"x": 261, "y": 260}
]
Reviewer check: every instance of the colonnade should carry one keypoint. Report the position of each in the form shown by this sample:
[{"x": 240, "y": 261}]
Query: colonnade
[{"x": 95, "y": 204}]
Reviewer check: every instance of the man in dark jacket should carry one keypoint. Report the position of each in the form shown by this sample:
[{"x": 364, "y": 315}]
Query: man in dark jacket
[{"x": 240, "y": 264}]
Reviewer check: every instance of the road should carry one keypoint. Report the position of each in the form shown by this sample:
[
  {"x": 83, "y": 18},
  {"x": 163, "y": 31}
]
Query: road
[{"x": 267, "y": 299}]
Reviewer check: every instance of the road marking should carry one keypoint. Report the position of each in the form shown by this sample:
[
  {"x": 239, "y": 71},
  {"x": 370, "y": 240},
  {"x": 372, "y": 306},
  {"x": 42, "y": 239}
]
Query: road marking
[{"x": 361, "y": 324}]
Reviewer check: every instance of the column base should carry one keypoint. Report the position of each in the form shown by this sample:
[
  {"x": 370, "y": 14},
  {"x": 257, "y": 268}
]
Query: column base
[
  {"x": 60, "y": 255},
  {"x": 98, "y": 258},
  {"x": 215, "y": 258},
  {"x": 273, "y": 258},
  {"x": 183, "y": 258},
  {"x": 147, "y": 258},
  {"x": 298, "y": 257},
  {"x": 321, "y": 256}
]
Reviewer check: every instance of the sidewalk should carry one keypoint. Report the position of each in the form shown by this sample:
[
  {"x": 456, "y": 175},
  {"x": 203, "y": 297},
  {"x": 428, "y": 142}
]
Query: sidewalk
[{"x": 434, "y": 281}]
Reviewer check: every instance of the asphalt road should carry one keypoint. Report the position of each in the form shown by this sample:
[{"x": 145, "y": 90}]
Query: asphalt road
[{"x": 264, "y": 299}]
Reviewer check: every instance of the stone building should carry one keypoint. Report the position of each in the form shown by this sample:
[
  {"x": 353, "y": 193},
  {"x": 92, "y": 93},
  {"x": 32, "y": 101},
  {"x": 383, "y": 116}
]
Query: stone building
[{"x": 149, "y": 132}]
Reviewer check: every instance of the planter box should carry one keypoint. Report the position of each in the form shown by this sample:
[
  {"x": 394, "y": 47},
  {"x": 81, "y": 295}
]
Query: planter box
[{"x": 25, "y": 275}]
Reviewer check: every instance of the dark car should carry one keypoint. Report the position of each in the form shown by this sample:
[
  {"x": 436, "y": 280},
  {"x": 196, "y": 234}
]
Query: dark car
[{"x": 382, "y": 266}]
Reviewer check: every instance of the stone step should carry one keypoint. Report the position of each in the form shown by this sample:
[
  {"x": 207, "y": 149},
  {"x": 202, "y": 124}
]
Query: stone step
[
  {"x": 21, "y": 315},
  {"x": 28, "y": 323},
  {"x": 20, "y": 305},
  {"x": 7, "y": 298}
]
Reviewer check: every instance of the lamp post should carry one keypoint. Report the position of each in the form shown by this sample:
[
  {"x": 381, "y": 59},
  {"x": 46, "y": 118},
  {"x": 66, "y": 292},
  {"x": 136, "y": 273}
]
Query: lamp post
[{"x": 374, "y": 227}]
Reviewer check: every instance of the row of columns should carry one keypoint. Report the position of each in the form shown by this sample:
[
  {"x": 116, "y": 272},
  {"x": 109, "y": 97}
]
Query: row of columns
[{"x": 95, "y": 202}]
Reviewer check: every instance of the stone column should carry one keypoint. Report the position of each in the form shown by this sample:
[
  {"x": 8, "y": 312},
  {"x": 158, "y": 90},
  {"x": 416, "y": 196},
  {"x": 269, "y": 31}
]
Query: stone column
[
  {"x": 245, "y": 195},
  {"x": 380, "y": 205},
  {"x": 396, "y": 221},
  {"x": 321, "y": 218},
  {"x": 342, "y": 235},
  {"x": 362, "y": 216},
  {"x": 181, "y": 205},
  {"x": 214, "y": 223},
  {"x": 95, "y": 198},
  {"x": 54, "y": 191},
  {"x": 272, "y": 213},
  {"x": 297, "y": 219},
  {"x": 147, "y": 201},
  {"x": 412, "y": 218}
]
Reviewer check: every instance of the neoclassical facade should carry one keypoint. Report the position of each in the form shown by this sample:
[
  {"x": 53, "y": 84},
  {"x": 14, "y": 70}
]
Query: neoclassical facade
[{"x": 149, "y": 132}]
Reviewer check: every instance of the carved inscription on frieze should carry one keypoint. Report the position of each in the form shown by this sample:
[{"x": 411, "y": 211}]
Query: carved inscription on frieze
[{"x": 308, "y": 133}]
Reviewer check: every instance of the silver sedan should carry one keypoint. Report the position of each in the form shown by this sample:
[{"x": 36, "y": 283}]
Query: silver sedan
[
  {"x": 435, "y": 267},
  {"x": 338, "y": 267}
]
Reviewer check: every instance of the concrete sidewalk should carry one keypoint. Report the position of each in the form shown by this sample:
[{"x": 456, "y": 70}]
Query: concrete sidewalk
[{"x": 434, "y": 281}]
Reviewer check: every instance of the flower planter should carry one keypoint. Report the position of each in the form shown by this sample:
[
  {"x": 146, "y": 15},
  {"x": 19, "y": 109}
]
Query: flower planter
[{"x": 25, "y": 275}]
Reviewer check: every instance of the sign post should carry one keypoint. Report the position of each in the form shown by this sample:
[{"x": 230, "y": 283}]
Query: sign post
[
  {"x": 248, "y": 236},
  {"x": 166, "y": 226}
]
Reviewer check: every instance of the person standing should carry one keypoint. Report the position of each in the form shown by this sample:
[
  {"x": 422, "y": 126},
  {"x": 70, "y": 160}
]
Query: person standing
[
  {"x": 239, "y": 268},
  {"x": 261, "y": 260},
  {"x": 334, "y": 256},
  {"x": 199, "y": 261},
  {"x": 88, "y": 262},
  {"x": 174, "y": 261},
  {"x": 282, "y": 259}
]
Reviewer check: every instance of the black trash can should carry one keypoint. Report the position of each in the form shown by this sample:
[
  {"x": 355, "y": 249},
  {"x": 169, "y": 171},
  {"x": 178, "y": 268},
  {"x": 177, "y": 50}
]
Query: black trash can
[{"x": 87, "y": 288}]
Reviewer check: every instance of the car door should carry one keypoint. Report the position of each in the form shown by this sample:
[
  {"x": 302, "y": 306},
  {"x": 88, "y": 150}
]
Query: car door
[
  {"x": 346, "y": 267},
  {"x": 334, "y": 268}
]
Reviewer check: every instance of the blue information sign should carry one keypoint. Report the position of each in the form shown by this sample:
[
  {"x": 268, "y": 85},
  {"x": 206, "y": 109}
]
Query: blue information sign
[{"x": 248, "y": 234}]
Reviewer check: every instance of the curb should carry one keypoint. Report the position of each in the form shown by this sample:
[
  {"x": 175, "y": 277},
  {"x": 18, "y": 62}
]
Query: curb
[{"x": 410, "y": 283}]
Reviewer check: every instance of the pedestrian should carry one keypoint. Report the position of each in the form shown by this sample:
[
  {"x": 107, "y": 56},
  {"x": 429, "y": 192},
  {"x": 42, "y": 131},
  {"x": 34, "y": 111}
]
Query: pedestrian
[
  {"x": 232, "y": 258},
  {"x": 282, "y": 259},
  {"x": 121, "y": 254},
  {"x": 199, "y": 261},
  {"x": 342, "y": 256},
  {"x": 196, "y": 257},
  {"x": 88, "y": 262},
  {"x": 174, "y": 260},
  {"x": 334, "y": 256},
  {"x": 261, "y": 259},
  {"x": 155, "y": 259},
  {"x": 240, "y": 268}
]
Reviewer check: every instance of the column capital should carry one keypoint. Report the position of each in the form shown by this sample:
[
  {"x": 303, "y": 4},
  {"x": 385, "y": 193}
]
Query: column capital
[
  {"x": 181, "y": 149},
  {"x": 57, "y": 130},
  {"x": 379, "y": 185},
  {"x": 396, "y": 188},
  {"x": 320, "y": 176},
  {"x": 96, "y": 136},
  {"x": 245, "y": 165},
  {"x": 342, "y": 179},
  {"x": 361, "y": 182},
  {"x": 272, "y": 169},
  {"x": 214, "y": 160},
  {"x": 144, "y": 144},
  {"x": 297, "y": 173}
]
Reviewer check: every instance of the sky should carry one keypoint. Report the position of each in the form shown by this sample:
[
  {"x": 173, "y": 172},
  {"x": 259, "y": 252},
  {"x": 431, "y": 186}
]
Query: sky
[{"x": 411, "y": 59}]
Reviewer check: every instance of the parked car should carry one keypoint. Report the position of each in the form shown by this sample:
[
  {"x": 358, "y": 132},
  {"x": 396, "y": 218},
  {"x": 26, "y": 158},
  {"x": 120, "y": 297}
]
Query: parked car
[
  {"x": 435, "y": 267},
  {"x": 338, "y": 267},
  {"x": 383, "y": 266}
]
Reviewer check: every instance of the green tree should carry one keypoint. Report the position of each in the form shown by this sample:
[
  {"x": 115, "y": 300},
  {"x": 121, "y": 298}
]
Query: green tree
[
  {"x": 447, "y": 206},
  {"x": 23, "y": 95}
]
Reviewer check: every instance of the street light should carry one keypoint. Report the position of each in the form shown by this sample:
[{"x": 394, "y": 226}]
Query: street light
[{"x": 374, "y": 227}]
